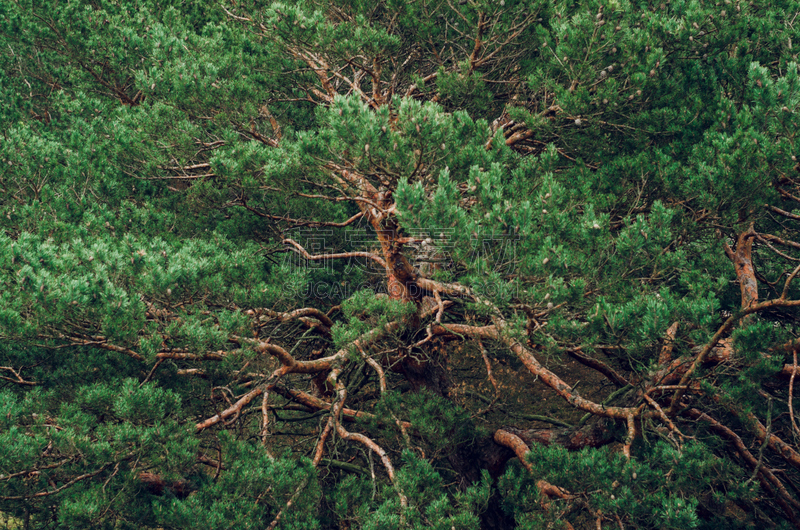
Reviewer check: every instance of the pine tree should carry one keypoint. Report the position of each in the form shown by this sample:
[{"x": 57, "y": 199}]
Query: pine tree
[{"x": 400, "y": 264}]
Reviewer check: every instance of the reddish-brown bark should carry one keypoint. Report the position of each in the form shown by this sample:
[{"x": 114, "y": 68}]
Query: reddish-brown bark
[
  {"x": 597, "y": 435},
  {"x": 597, "y": 364},
  {"x": 156, "y": 485},
  {"x": 669, "y": 343},
  {"x": 742, "y": 258},
  {"x": 547, "y": 490},
  {"x": 515, "y": 443}
]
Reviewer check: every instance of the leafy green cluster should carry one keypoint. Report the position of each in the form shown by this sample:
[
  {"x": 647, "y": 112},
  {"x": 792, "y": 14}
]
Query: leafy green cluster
[
  {"x": 631, "y": 490},
  {"x": 581, "y": 166},
  {"x": 359, "y": 503}
]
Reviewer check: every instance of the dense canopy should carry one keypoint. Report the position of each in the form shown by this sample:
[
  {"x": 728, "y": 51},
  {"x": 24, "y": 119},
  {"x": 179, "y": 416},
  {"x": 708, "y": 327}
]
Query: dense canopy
[{"x": 399, "y": 264}]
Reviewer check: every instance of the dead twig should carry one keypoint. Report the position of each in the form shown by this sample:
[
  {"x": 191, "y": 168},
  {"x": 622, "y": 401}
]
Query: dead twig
[{"x": 791, "y": 392}]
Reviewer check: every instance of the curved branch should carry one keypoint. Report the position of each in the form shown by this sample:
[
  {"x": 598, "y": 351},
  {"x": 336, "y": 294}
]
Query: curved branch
[
  {"x": 598, "y": 365},
  {"x": 317, "y": 257},
  {"x": 515, "y": 443},
  {"x": 316, "y": 403},
  {"x": 775, "y": 250},
  {"x": 338, "y": 199},
  {"x": 187, "y": 356},
  {"x": 292, "y": 365},
  {"x": 341, "y": 392},
  {"x": 236, "y": 408},
  {"x": 783, "y": 212},
  {"x": 520, "y": 448},
  {"x": 496, "y": 332},
  {"x": 60, "y": 488},
  {"x": 102, "y": 343},
  {"x": 778, "y": 240},
  {"x": 289, "y": 503},
  {"x": 292, "y": 315},
  {"x": 375, "y": 366},
  {"x": 791, "y": 393},
  {"x": 450, "y": 289},
  {"x": 320, "y": 448},
  {"x": 17, "y": 378}
]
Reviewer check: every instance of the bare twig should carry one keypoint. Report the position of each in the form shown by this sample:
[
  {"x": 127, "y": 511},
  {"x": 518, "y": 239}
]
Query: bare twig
[
  {"x": 234, "y": 409},
  {"x": 341, "y": 392},
  {"x": 17, "y": 378},
  {"x": 375, "y": 366},
  {"x": 343, "y": 255},
  {"x": 152, "y": 371},
  {"x": 663, "y": 416},
  {"x": 320, "y": 448},
  {"x": 626, "y": 448},
  {"x": 791, "y": 392},
  {"x": 60, "y": 488},
  {"x": 264, "y": 417},
  {"x": 289, "y": 503}
]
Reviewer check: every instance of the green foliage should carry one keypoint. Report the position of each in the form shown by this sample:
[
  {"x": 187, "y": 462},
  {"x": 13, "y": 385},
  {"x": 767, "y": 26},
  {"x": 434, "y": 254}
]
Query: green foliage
[
  {"x": 439, "y": 426},
  {"x": 585, "y": 168},
  {"x": 255, "y": 488},
  {"x": 628, "y": 489},
  {"x": 365, "y": 311},
  {"x": 358, "y": 502}
]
